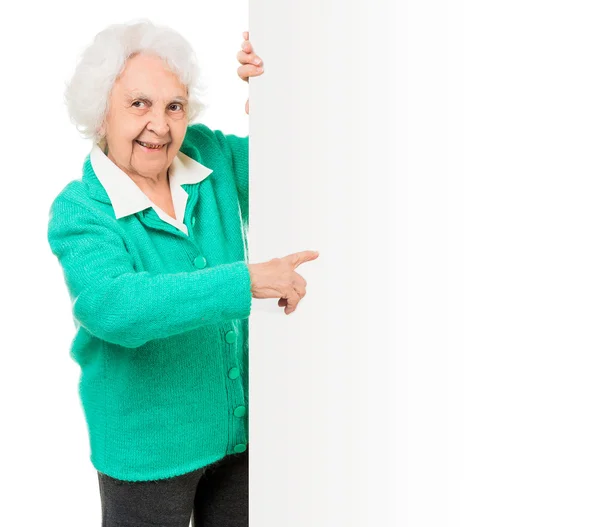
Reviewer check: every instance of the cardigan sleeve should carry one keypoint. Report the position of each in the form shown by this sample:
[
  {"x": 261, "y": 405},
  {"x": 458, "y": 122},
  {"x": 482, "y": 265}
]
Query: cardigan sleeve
[
  {"x": 236, "y": 150},
  {"x": 117, "y": 304}
]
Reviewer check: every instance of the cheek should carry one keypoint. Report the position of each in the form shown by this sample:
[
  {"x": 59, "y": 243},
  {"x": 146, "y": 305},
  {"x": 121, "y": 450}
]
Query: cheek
[
  {"x": 126, "y": 129},
  {"x": 177, "y": 139},
  {"x": 179, "y": 130}
]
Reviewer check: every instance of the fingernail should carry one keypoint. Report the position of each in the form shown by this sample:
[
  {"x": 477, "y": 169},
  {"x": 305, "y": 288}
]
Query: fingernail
[{"x": 256, "y": 61}]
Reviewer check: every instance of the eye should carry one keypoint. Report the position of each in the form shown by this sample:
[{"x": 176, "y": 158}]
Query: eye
[
  {"x": 137, "y": 102},
  {"x": 176, "y": 104}
]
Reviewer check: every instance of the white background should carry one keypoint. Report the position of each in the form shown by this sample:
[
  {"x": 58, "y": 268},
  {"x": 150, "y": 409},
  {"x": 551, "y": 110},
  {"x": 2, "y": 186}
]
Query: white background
[{"x": 442, "y": 156}]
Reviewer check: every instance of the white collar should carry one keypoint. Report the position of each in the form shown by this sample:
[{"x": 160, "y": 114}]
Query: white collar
[{"x": 127, "y": 198}]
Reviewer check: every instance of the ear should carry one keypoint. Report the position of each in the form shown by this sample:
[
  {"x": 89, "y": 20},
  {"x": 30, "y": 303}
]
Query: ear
[{"x": 101, "y": 137}]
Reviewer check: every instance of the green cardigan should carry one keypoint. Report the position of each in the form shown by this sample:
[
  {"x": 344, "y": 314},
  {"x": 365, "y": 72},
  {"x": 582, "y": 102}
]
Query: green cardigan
[{"x": 162, "y": 344}]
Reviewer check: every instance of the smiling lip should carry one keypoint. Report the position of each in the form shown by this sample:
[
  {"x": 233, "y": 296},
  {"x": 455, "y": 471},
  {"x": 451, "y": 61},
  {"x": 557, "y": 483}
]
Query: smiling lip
[{"x": 157, "y": 146}]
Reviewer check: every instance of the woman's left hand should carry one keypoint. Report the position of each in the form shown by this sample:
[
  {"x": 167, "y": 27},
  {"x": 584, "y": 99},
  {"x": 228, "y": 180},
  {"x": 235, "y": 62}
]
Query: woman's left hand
[{"x": 251, "y": 64}]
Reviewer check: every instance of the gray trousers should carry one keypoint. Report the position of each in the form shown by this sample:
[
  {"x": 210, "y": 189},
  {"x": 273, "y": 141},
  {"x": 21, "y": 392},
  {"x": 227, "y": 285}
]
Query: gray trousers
[{"x": 212, "y": 496}]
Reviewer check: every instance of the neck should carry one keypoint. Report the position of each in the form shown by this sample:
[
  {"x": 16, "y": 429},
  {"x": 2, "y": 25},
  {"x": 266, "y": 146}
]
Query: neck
[{"x": 151, "y": 182}]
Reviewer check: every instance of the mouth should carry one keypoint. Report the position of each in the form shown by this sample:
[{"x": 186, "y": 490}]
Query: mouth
[{"x": 151, "y": 147}]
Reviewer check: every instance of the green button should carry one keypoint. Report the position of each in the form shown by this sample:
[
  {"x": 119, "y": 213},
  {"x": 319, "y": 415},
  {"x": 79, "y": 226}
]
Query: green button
[
  {"x": 239, "y": 448},
  {"x": 200, "y": 262},
  {"x": 234, "y": 373},
  {"x": 230, "y": 336},
  {"x": 193, "y": 221},
  {"x": 240, "y": 411}
]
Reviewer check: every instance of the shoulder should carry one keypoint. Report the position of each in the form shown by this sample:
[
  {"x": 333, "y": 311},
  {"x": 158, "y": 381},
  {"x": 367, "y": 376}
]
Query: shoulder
[
  {"x": 200, "y": 130},
  {"x": 202, "y": 142},
  {"x": 75, "y": 194},
  {"x": 73, "y": 210},
  {"x": 84, "y": 193},
  {"x": 199, "y": 136}
]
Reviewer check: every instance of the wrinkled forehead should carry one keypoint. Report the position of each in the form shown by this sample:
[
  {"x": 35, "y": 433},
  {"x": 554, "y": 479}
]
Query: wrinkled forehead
[{"x": 149, "y": 77}]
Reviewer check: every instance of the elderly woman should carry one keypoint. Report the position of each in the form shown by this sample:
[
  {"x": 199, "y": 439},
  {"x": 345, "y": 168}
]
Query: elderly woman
[{"x": 152, "y": 243}]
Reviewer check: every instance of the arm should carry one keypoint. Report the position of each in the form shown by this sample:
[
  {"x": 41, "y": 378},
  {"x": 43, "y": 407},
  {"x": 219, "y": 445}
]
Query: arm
[
  {"x": 117, "y": 304},
  {"x": 236, "y": 150}
]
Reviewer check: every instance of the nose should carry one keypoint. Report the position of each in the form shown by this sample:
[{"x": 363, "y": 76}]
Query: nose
[{"x": 158, "y": 123}]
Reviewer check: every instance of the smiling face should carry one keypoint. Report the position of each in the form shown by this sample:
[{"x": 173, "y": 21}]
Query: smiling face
[{"x": 147, "y": 105}]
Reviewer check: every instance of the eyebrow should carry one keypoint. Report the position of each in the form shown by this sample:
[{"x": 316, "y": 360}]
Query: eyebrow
[{"x": 141, "y": 95}]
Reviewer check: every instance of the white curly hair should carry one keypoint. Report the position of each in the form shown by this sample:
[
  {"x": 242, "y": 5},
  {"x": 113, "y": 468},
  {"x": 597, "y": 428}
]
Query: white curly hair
[{"x": 87, "y": 94}]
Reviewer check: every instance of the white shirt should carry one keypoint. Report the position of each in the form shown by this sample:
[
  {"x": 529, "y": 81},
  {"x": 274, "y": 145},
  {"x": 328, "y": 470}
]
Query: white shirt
[{"x": 127, "y": 198}]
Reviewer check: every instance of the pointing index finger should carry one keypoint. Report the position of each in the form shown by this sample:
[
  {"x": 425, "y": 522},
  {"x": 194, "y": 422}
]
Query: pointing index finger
[{"x": 305, "y": 256}]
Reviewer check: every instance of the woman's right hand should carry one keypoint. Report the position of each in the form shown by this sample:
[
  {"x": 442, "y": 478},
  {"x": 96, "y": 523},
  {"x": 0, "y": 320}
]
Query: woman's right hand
[{"x": 277, "y": 278}]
